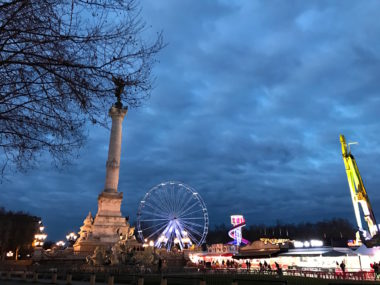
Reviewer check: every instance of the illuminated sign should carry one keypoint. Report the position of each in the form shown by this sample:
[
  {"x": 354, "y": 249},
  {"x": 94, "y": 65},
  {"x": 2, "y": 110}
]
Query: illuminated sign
[{"x": 311, "y": 243}]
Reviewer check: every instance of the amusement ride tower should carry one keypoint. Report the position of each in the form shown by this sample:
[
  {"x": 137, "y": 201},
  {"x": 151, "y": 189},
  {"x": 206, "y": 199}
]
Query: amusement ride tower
[
  {"x": 237, "y": 222},
  {"x": 359, "y": 198}
]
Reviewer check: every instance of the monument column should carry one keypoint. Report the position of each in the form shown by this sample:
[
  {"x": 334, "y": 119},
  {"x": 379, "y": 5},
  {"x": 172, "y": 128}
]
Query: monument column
[
  {"x": 117, "y": 113},
  {"x": 108, "y": 226}
]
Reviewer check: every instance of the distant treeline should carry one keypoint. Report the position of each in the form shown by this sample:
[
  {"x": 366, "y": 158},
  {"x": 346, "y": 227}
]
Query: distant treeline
[
  {"x": 333, "y": 232},
  {"x": 17, "y": 230}
]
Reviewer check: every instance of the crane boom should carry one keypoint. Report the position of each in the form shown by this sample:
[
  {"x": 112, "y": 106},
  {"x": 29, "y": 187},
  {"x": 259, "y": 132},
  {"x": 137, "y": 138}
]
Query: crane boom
[{"x": 359, "y": 195}]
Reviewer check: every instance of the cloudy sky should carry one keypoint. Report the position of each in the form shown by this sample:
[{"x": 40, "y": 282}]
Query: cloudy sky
[{"x": 249, "y": 101}]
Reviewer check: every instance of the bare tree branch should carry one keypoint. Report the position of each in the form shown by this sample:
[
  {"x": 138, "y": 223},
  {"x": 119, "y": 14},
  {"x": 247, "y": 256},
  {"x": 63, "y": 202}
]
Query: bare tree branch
[{"x": 58, "y": 59}]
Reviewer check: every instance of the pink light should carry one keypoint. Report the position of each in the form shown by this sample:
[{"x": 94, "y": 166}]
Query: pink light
[{"x": 237, "y": 219}]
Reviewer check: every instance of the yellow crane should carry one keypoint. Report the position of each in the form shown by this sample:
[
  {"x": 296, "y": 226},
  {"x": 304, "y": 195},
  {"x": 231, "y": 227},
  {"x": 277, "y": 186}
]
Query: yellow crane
[{"x": 359, "y": 196}]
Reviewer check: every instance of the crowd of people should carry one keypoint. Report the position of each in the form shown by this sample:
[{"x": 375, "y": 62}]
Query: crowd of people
[
  {"x": 217, "y": 264},
  {"x": 267, "y": 267},
  {"x": 232, "y": 264}
]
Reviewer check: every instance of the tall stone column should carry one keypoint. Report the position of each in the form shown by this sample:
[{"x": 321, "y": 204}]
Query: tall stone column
[
  {"x": 108, "y": 226},
  {"x": 113, "y": 162},
  {"x": 108, "y": 222}
]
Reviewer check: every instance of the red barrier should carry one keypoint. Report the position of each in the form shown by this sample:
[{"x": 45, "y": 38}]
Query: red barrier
[{"x": 338, "y": 274}]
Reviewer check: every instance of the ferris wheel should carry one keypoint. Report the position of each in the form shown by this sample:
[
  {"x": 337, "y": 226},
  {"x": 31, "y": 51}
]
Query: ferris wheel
[{"x": 172, "y": 214}]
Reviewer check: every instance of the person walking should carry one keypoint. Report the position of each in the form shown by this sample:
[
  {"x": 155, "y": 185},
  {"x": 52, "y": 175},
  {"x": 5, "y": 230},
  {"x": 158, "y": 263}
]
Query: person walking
[
  {"x": 160, "y": 265},
  {"x": 376, "y": 269},
  {"x": 343, "y": 267},
  {"x": 278, "y": 268}
]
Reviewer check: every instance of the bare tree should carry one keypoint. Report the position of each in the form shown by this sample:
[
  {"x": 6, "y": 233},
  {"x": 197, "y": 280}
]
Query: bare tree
[{"x": 58, "y": 63}]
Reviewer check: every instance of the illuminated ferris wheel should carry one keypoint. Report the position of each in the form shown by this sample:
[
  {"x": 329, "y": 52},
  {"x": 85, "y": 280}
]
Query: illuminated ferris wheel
[{"x": 172, "y": 214}]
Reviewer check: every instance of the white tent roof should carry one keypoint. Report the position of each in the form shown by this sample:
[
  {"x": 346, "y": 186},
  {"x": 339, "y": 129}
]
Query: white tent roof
[
  {"x": 316, "y": 251},
  {"x": 363, "y": 250}
]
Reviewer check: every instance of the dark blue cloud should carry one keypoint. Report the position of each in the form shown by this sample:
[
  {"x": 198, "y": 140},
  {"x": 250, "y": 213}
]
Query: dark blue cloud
[{"x": 250, "y": 99}]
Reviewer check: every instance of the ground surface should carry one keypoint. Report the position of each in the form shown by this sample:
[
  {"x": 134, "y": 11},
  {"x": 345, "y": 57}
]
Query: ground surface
[{"x": 210, "y": 280}]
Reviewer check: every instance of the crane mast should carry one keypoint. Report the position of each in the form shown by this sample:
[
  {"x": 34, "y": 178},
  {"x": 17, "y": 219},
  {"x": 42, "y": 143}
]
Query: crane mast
[{"x": 359, "y": 195}]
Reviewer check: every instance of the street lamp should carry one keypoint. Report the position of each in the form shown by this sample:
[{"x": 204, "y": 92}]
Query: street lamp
[
  {"x": 60, "y": 244},
  {"x": 40, "y": 236},
  {"x": 71, "y": 238}
]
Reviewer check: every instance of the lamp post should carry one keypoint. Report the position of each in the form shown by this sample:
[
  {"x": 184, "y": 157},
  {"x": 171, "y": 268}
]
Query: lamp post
[
  {"x": 60, "y": 244},
  {"x": 185, "y": 240},
  {"x": 39, "y": 240},
  {"x": 162, "y": 241},
  {"x": 71, "y": 238},
  {"x": 40, "y": 236}
]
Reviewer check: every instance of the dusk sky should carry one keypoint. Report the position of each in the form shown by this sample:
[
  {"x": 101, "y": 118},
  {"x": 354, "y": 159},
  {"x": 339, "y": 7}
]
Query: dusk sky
[{"x": 249, "y": 100}]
